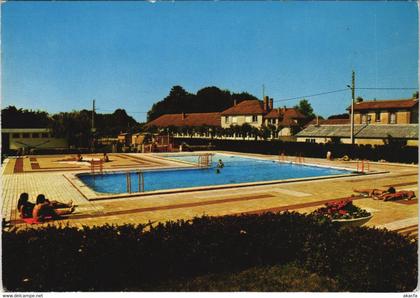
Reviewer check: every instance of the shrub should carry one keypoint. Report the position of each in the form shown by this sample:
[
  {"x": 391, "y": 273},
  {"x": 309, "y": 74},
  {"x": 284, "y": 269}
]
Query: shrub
[{"x": 117, "y": 258}]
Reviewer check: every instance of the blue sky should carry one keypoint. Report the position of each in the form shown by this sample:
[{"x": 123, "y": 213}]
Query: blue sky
[{"x": 58, "y": 56}]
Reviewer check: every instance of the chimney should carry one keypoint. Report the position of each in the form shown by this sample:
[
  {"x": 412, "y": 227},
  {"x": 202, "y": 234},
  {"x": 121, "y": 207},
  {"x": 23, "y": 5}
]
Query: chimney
[
  {"x": 270, "y": 103},
  {"x": 234, "y": 102},
  {"x": 183, "y": 116},
  {"x": 265, "y": 100}
]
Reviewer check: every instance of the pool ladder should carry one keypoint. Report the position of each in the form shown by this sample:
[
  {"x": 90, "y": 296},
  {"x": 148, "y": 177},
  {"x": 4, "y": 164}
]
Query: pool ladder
[
  {"x": 140, "y": 180},
  {"x": 96, "y": 163},
  {"x": 362, "y": 165},
  {"x": 299, "y": 158},
  {"x": 205, "y": 160}
]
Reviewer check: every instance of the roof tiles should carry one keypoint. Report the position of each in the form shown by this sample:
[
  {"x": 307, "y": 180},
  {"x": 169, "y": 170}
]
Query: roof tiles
[
  {"x": 192, "y": 119},
  {"x": 405, "y": 131},
  {"x": 246, "y": 107},
  {"x": 386, "y": 104}
]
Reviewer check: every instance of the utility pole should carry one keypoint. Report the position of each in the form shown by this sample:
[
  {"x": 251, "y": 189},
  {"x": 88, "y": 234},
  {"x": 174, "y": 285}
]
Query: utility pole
[
  {"x": 93, "y": 117},
  {"x": 352, "y": 108},
  {"x": 92, "y": 130}
]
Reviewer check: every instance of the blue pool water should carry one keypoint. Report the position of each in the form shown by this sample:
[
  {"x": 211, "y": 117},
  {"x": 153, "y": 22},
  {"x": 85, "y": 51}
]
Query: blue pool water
[{"x": 236, "y": 170}]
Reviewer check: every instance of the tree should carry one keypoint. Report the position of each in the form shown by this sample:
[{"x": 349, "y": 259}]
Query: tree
[
  {"x": 305, "y": 108},
  {"x": 245, "y": 130},
  {"x": 359, "y": 99},
  {"x": 178, "y": 101},
  {"x": 113, "y": 124},
  {"x": 11, "y": 117},
  {"x": 74, "y": 127},
  {"x": 416, "y": 94},
  {"x": 207, "y": 99},
  {"x": 264, "y": 132}
]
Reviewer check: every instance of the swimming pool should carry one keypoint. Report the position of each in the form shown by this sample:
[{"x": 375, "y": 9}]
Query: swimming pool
[{"x": 237, "y": 169}]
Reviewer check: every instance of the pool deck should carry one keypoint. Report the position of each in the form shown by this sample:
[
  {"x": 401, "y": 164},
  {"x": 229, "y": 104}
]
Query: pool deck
[{"x": 50, "y": 175}]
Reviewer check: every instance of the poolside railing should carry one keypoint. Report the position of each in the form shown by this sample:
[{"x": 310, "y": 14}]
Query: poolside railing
[{"x": 140, "y": 181}]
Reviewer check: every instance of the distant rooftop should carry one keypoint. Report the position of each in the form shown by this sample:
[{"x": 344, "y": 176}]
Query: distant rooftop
[
  {"x": 386, "y": 104},
  {"x": 246, "y": 107},
  {"x": 402, "y": 131},
  {"x": 187, "y": 119}
]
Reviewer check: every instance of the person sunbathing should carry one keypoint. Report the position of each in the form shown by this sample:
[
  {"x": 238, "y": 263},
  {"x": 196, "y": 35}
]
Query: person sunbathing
[
  {"x": 54, "y": 209},
  {"x": 374, "y": 191},
  {"x": 105, "y": 158},
  {"x": 25, "y": 207},
  {"x": 400, "y": 195}
]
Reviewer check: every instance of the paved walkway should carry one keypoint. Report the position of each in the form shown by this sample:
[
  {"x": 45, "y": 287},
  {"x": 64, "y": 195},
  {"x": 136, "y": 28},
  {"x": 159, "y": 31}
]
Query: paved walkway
[{"x": 304, "y": 196}]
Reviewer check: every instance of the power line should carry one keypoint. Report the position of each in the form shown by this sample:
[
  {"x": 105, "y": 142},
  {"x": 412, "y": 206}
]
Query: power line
[
  {"x": 313, "y": 95},
  {"x": 342, "y": 90},
  {"x": 387, "y": 88}
]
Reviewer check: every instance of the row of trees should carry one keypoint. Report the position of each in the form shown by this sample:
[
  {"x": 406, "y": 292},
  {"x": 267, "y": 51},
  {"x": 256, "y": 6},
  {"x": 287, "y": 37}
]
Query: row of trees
[{"x": 74, "y": 126}]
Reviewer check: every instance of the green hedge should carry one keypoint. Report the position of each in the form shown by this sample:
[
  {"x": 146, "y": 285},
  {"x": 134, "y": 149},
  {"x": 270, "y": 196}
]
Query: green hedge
[
  {"x": 112, "y": 258},
  {"x": 391, "y": 152}
]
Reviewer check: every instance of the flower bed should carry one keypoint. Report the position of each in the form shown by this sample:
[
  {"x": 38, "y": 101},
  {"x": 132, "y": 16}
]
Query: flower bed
[{"x": 341, "y": 211}]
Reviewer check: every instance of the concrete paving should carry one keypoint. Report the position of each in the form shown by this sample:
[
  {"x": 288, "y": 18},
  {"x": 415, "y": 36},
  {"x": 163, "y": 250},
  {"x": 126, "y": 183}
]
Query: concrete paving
[{"x": 48, "y": 175}]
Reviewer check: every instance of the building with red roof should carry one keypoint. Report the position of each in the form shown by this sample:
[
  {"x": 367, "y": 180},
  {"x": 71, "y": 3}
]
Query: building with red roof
[
  {"x": 258, "y": 113},
  {"x": 254, "y": 112},
  {"x": 376, "y": 122},
  {"x": 187, "y": 119},
  {"x": 395, "y": 111}
]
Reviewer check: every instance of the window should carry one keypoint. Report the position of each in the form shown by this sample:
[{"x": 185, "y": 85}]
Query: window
[
  {"x": 364, "y": 118},
  {"x": 234, "y": 119},
  {"x": 35, "y": 135},
  {"x": 272, "y": 121},
  {"x": 26, "y": 135},
  {"x": 227, "y": 119},
  {"x": 16, "y": 135},
  {"x": 378, "y": 116},
  {"x": 392, "y": 118},
  {"x": 249, "y": 119},
  {"x": 255, "y": 118},
  {"x": 44, "y": 135}
]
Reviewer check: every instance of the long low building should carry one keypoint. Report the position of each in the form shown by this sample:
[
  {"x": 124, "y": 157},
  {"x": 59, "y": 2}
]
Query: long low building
[
  {"x": 40, "y": 138},
  {"x": 363, "y": 134},
  {"x": 253, "y": 112},
  {"x": 187, "y": 119}
]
